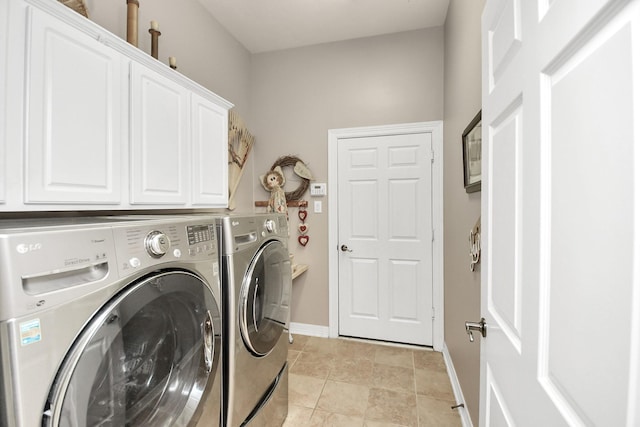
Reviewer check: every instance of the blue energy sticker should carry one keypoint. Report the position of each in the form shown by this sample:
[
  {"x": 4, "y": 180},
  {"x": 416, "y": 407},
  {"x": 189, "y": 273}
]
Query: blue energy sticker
[{"x": 30, "y": 332}]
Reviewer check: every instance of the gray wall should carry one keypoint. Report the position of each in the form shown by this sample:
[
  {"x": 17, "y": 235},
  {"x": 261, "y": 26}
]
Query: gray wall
[
  {"x": 463, "y": 96},
  {"x": 297, "y": 95},
  {"x": 204, "y": 50}
]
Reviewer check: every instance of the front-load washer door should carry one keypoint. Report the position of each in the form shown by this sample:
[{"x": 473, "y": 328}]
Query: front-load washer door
[
  {"x": 146, "y": 359},
  {"x": 264, "y": 298}
]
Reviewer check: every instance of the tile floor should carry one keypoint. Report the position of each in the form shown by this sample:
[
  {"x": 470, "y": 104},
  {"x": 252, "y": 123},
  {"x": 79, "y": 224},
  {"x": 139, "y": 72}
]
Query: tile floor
[{"x": 341, "y": 382}]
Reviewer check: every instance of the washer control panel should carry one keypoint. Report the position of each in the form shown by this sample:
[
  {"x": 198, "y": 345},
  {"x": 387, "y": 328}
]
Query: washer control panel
[
  {"x": 201, "y": 233},
  {"x": 54, "y": 260},
  {"x": 146, "y": 244},
  {"x": 157, "y": 243}
]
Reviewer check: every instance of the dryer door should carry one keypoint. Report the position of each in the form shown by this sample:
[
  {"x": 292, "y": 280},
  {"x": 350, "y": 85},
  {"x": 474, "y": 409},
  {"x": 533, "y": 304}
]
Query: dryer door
[
  {"x": 146, "y": 359},
  {"x": 264, "y": 298}
]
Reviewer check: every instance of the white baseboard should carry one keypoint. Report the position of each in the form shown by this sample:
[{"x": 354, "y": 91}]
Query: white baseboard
[
  {"x": 311, "y": 330},
  {"x": 457, "y": 390}
]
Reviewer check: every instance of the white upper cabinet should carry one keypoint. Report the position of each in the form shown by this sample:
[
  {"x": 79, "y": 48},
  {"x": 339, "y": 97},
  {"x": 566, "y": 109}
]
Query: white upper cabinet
[
  {"x": 74, "y": 87},
  {"x": 209, "y": 130},
  {"x": 159, "y": 139},
  {"x": 97, "y": 124}
]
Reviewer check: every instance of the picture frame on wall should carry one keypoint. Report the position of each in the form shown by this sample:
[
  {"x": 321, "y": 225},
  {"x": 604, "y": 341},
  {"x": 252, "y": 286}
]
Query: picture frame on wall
[{"x": 472, "y": 154}]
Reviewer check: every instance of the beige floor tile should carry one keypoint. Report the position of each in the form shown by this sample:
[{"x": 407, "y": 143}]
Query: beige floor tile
[
  {"x": 392, "y": 407},
  {"x": 393, "y": 378},
  {"x": 353, "y": 371},
  {"x": 395, "y": 356},
  {"x": 312, "y": 365},
  {"x": 321, "y": 346},
  {"x": 298, "y": 416},
  {"x": 298, "y": 342},
  {"x": 323, "y": 418},
  {"x": 357, "y": 349},
  {"x": 292, "y": 355},
  {"x": 437, "y": 413},
  {"x": 343, "y": 398},
  {"x": 369, "y": 423},
  {"x": 435, "y": 384},
  {"x": 304, "y": 391},
  {"x": 428, "y": 359},
  {"x": 366, "y": 384}
]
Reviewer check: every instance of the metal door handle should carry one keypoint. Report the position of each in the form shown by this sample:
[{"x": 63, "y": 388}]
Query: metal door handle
[
  {"x": 480, "y": 326},
  {"x": 208, "y": 343},
  {"x": 255, "y": 305},
  {"x": 345, "y": 248}
]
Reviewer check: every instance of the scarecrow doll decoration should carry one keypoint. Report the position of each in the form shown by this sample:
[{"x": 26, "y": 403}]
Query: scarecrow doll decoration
[{"x": 273, "y": 181}]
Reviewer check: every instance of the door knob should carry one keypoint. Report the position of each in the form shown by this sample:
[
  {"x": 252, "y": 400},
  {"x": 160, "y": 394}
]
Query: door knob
[
  {"x": 480, "y": 326},
  {"x": 345, "y": 248}
]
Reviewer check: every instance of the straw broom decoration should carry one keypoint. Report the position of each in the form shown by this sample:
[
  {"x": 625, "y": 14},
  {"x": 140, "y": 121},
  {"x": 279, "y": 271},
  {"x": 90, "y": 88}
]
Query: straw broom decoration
[
  {"x": 77, "y": 5},
  {"x": 240, "y": 144}
]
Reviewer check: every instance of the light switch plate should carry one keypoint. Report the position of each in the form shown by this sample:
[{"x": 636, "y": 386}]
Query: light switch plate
[{"x": 317, "y": 206}]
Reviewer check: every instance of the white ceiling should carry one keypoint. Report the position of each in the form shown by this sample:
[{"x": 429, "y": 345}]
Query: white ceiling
[{"x": 267, "y": 25}]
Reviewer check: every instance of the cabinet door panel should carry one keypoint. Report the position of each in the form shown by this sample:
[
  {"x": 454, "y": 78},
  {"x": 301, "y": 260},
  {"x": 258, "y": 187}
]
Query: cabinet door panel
[
  {"x": 209, "y": 127},
  {"x": 159, "y": 139},
  {"x": 74, "y": 124}
]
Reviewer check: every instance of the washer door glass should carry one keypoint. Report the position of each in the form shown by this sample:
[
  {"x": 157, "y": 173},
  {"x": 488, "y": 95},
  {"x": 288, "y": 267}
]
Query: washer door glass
[
  {"x": 145, "y": 358},
  {"x": 264, "y": 298}
]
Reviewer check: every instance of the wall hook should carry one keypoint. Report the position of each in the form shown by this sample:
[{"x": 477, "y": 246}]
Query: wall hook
[{"x": 474, "y": 245}]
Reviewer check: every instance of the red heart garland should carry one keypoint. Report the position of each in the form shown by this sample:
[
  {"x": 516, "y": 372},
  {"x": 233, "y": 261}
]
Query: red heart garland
[
  {"x": 303, "y": 240},
  {"x": 302, "y": 215},
  {"x": 303, "y": 228}
]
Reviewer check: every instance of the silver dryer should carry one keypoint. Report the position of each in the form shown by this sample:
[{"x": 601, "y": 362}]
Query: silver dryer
[{"x": 256, "y": 290}]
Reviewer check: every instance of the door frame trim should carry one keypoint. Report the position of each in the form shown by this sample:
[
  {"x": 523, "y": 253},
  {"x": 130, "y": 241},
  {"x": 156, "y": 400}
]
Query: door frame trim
[{"x": 334, "y": 136}]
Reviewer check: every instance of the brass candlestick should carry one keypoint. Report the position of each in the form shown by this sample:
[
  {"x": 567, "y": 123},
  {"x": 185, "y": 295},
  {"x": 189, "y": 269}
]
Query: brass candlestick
[
  {"x": 154, "y": 38},
  {"x": 132, "y": 22}
]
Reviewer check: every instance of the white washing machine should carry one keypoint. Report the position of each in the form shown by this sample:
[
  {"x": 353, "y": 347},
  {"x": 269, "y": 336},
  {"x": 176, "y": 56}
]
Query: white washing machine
[
  {"x": 110, "y": 322},
  {"x": 256, "y": 291}
]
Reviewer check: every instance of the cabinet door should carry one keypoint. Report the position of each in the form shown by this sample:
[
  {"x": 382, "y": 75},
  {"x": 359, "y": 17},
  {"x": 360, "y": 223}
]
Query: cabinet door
[
  {"x": 73, "y": 117},
  {"x": 209, "y": 127},
  {"x": 159, "y": 139}
]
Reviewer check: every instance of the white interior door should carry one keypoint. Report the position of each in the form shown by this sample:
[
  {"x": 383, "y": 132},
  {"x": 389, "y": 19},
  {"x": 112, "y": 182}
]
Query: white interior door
[
  {"x": 560, "y": 212},
  {"x": 385, "y": 231}
]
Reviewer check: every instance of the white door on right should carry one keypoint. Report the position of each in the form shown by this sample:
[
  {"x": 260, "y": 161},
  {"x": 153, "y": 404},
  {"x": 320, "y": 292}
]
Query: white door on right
[{"x": 561, "y": 213}]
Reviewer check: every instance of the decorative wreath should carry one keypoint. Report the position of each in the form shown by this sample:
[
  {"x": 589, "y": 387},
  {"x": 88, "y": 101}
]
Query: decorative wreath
[{"x": 301, "y": 170}]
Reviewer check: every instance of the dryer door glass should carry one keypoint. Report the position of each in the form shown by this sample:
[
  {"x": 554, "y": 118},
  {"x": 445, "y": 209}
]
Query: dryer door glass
[
  {"x": 264, "y": 298},
  {"x": 144, "y": 360}
]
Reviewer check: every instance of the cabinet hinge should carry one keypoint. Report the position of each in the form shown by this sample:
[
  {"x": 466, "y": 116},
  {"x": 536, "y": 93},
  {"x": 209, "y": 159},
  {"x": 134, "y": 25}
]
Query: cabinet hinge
[
  {"x": 433, "y": 156},
  {"x": 433, "y": 313},
  {"x": 433, "y": 235}
]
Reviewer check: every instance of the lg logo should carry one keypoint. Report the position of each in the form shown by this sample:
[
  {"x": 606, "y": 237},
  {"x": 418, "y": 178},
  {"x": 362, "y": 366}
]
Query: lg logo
[{"x": 23, "y": 248}]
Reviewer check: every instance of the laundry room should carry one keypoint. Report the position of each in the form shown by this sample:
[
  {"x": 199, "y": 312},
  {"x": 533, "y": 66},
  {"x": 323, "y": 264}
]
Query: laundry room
[
  {"x": 282, "y": 213},
  {"x": 134, "y": 98}
]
